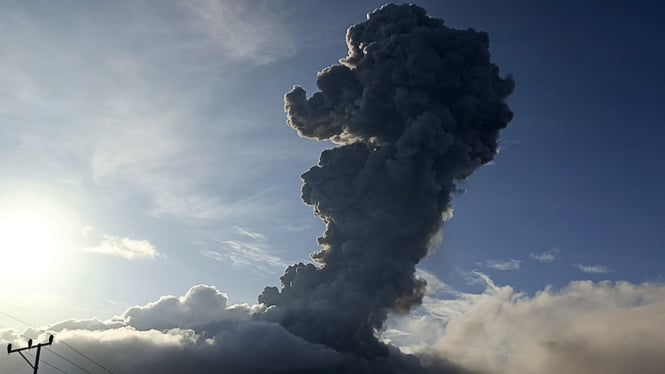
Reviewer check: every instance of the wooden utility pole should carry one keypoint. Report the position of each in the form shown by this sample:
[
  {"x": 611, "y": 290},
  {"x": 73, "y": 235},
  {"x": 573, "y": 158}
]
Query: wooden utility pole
[{"x": 39, "y": 346}]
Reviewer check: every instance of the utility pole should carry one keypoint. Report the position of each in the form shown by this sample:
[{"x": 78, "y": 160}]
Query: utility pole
[{"x": 39, "y": 346}]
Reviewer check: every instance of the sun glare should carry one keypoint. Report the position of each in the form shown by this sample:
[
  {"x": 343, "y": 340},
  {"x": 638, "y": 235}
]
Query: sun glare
[{"x": 35, "y": 238}]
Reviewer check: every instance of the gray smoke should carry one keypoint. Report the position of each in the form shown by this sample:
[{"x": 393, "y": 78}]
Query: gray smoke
[{"x": 414, "y": 107}]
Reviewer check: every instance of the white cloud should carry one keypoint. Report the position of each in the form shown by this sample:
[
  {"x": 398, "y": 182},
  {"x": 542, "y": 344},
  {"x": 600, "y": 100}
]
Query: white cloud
[
  {"x": 594, "y": 269},
  {"x": 545, "y": 257},
  {"x": 587, "y": 327},
  {"x": 130, "y": 249},
  {"x": 511, "y": 264},
  {"x": 196, "y": 333},
  {"x": 201, "y": 304}
]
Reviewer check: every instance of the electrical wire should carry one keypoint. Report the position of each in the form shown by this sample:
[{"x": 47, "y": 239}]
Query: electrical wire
[
  {"x": 69, "y": 361},
  {"x": 42, "y": 361},
  {"x": 16, "y": 319},
  {"x": 62, "y": 342},
  {"x": 88, "y": 358},
  {"x": 53, "y": 366}
]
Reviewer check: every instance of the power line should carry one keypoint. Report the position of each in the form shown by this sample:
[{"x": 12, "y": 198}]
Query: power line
[
  {"x": 16, "y": 319},
  {"x": 50, "y": 350},
  {"x": 63, "y": 343},
  {"x": 53, "y": 366},
  {"x": 49, "y": 364},
  {"x": 71, "y": 362},
  {"x": 88, "y": 358},
  {"x": 35, "y": 366}
]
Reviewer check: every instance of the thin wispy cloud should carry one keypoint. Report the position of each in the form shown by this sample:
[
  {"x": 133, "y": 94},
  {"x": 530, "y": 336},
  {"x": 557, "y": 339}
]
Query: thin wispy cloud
[
  {"x": 503, "y": 265},
  {"x": 252, "y": 254},
  {"x": 593, "y": 269},
  {"x": 249, "y": 233},
  {"x": 130, "y": 249},
  {"x": 125, "y": 122},
  {"x": 118, "y": 303},
  {"x": 434, "y": 285},
  {"x": 480, "y": 279},
  {"x": 507, "y": 143},
  {"x": 250, "y": 250},
  {"x": 441, "y": 299},
  {"x": 296, "y": 228},
  {"x": 245, "y": 32},
  {"x": 545, "y": 257}
]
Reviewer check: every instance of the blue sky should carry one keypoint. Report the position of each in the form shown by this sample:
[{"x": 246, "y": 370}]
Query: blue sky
[
  {"x": 580, "y": 172},
  {"x": 154, "y": 134}
]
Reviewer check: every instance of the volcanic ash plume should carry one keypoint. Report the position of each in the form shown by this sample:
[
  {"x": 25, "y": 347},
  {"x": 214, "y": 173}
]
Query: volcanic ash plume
[{"x": 414, "y": 107}]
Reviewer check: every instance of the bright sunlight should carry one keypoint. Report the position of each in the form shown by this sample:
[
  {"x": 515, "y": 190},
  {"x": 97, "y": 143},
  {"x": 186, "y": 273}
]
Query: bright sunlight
[{"x": 35, "y": 237}]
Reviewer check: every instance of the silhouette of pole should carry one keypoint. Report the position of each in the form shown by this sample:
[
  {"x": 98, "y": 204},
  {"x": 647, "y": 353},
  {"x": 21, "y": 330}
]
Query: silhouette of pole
[{"x": 39, "y": 346}]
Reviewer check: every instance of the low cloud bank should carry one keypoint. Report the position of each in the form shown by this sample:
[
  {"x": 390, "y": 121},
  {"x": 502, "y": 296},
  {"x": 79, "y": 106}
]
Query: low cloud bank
[
  {"x": 197, "y": 333},
  {"x": 586, "y": 327}
]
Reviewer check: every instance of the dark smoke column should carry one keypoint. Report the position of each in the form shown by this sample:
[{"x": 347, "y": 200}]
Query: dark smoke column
[{"x": 413, "y": 108}]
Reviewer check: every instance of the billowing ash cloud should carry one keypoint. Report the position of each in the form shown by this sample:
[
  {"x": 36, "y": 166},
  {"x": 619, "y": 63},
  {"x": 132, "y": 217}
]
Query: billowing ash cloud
[{"x": 414, "y": 107}]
